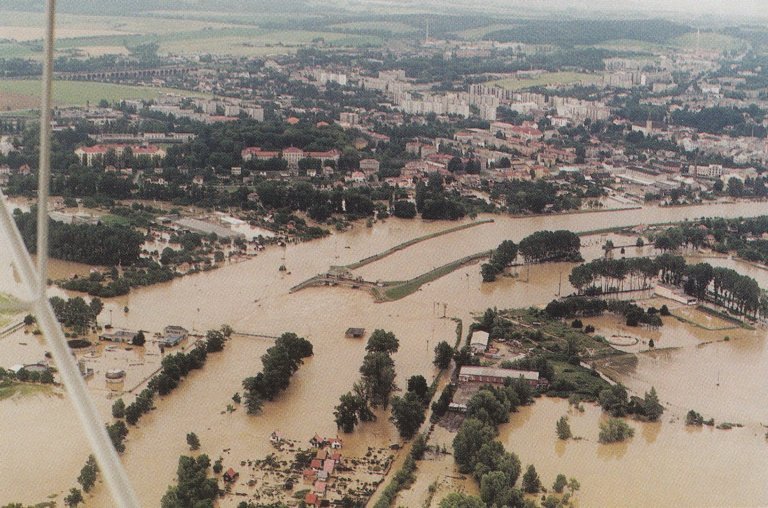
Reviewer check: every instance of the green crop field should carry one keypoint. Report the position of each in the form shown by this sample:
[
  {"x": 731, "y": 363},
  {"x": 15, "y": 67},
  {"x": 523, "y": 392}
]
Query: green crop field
[
  {"x": 545, "y": 79},
  {"x": 479, "y": 33},
  {"x": 394, "y": 27},
  {"x": 708, "y": 41},
  {"x": 25, "y": 94},
  {"x": 259, "y": 42},
  {"x": 630, "y": 45}
]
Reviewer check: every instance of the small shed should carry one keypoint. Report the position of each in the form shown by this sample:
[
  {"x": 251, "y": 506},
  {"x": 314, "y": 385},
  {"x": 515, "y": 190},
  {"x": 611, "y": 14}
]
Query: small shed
[
  {"x": 231, "y": 475},
  {"x": 355, "y": 333}
]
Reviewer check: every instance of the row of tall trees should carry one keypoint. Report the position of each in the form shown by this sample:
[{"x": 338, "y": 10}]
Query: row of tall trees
[
  {"x": 722, "y": 286},
  {"x": 279, "y": 363},
  {"x": 174, "y": 368},
  {"x": 377, "y": 381},
  {"x": 604, "y": 275}
]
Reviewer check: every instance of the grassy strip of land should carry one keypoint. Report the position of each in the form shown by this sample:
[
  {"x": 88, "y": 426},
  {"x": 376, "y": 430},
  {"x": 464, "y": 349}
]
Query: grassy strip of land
[
  {"x": 10, "y": 389},
  {"x": 547, "y": 79},
  {"x": 687, "y": 321},
  {"x": 77, "y": 93},
  {"x": 414, "y": 241},
  {"x": 396, "y": 290},
  {"x": 726, "y": 317}
]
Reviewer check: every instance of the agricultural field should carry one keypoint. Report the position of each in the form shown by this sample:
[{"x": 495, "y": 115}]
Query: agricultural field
[
  {"x": 479, "y": 33},
  {"x": 9, "y": 308},
  {"x": 10, "y": 49},
  {"x": 11, "y": 390},
  {"x": 546, "y": 79},
  {"x": 382, "y": 26},
  {"x": 70, "y": 25},
  {"x": 259, "y": 44},
  {"x": 25, "y": 94},
  {"x": 708, "y": 41},
  {"x": 631, "y": 45}
]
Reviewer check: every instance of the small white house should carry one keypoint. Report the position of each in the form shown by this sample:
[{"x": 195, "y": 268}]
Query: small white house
[
  {"x": 479, "y": 342},
  {"x": 674, "y": 294}
]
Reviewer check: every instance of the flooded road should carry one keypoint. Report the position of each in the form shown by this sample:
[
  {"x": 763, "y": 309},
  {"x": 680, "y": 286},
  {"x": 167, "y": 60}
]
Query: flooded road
[{"x": 253, "y": 296}]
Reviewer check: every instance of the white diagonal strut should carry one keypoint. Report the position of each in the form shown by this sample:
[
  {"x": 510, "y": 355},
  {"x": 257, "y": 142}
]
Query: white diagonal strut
[{"x": 109, "y": 463}]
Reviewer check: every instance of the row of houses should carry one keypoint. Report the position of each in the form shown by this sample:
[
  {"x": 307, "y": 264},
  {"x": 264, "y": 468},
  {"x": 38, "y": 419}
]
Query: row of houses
[{"x": 172, "y": 336}]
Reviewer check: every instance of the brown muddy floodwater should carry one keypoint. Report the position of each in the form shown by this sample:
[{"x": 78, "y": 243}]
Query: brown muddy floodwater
[{"x": 253, "y": 296}]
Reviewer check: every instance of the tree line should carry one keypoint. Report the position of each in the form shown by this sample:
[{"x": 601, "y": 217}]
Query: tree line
[
  {"x": 278, "y": 365},
  {"x": 589, "y": 306},
  {"x": 98, "y": 244},
  {"x": 477, "y": 451},
  {"x": 609, "y": 275},
  {"x": 551, "y": 246},
  {"x": 721, "y": 286},
  {"x": 174, "y": 368},
  {"x": 522, "y": 196},
  {"x": 504, "y": 255},
  {"x": 539, "y": 247},
  {"x": 377, "y": 381}
]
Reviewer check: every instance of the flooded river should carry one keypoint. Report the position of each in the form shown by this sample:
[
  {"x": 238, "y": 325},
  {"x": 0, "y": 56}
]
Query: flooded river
[{"x": 253, "y": 296}]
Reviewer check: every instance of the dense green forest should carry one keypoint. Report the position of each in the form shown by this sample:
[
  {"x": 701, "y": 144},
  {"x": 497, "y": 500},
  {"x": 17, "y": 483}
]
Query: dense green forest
[
  {"x": 91, "y": 244},
  {"x": 585, "y": 32}
]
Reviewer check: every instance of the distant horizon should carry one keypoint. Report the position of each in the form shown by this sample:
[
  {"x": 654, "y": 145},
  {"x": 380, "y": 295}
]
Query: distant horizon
[
  {"x": 677, "y": 10},
  {"x": 705, "y": 12}
]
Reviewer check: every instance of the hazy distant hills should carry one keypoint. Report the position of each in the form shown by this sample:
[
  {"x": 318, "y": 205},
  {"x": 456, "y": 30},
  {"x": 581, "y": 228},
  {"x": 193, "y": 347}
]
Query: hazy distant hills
[{"x": 133, "y": 7}]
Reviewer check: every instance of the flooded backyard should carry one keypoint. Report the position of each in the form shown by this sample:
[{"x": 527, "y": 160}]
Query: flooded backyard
[{"x": 253, "y": 297}]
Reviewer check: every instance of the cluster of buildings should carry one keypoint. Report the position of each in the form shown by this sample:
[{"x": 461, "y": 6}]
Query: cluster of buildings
[
  {"x": 90, "y": 155},
  {"x": 204, "y": 110},
  {"x": 291, "y": 155},
  {"x": 172, "y": 336},
  {"x": 321, "y": 469}
]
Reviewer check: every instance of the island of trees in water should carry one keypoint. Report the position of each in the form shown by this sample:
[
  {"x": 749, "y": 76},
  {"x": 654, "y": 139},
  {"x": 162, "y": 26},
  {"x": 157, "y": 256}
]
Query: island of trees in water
[{"x": 539, "y": 247}]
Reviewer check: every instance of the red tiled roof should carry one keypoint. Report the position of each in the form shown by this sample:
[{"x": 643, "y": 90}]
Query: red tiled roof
[{"x": 320, "y": 155}]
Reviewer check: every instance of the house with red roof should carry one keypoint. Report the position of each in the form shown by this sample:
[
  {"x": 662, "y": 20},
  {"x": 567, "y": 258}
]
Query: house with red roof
[
  {"x": 231, "y": 475},
  {"x": 312, "y": 499},
  {"x": 255, "y": 152},
  {"x": 89, "y": 155}
]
